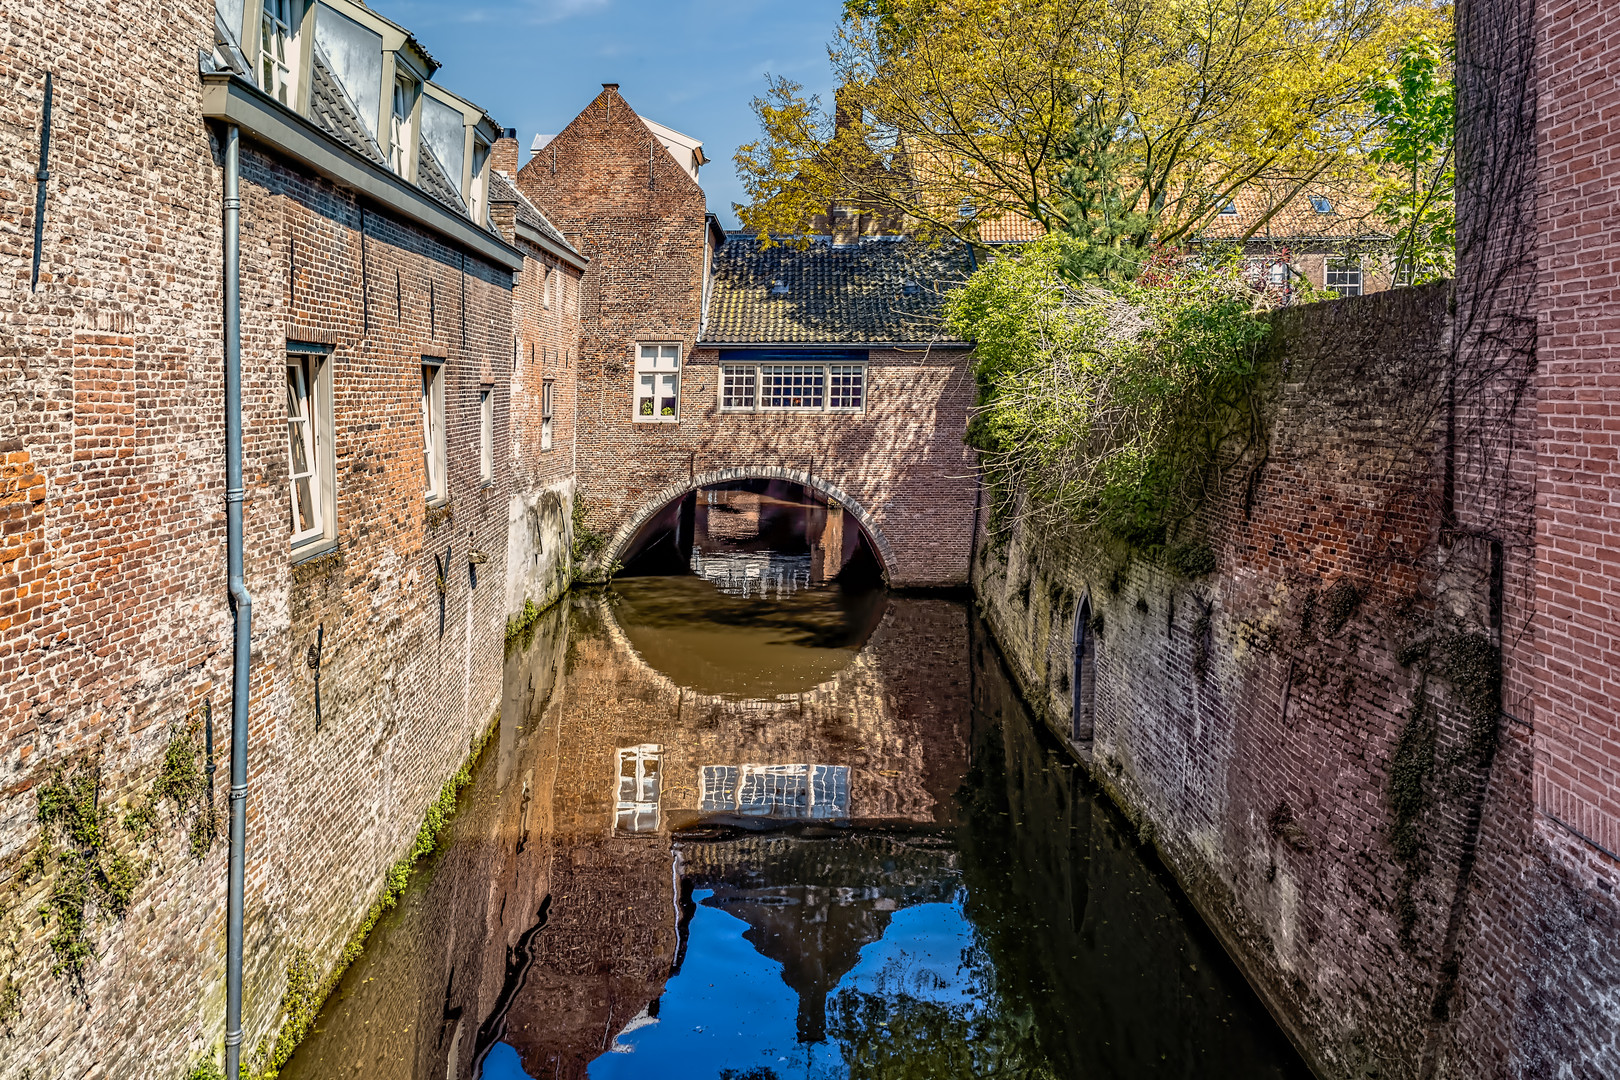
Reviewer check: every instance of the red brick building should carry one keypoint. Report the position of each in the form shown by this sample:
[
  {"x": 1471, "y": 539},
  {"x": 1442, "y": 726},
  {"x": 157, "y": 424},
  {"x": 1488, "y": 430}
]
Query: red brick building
[
  {"x": 707, "y": 359},
  {"x": 395, "y": 296}
]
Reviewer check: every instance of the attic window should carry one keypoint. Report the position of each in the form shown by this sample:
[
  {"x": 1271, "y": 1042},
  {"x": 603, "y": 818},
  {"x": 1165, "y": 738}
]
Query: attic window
[
  {"x": 1321, "y": 205},
  {"x": 1229, "y": 210},
  {"x": 779, "y": 287},
  {"x": 910, "y": 287}
]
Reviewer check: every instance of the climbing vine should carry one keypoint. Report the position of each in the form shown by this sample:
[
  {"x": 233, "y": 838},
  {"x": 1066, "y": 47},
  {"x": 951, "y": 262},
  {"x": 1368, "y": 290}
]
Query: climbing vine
[{"x": 1110, "y": 406}]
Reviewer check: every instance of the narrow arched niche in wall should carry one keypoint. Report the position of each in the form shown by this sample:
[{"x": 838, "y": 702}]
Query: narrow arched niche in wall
[{"x": 1084, "y": 710}]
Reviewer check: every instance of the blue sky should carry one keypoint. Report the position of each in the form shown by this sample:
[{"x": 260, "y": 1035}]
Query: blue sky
[{"x": 690, "y": 64}]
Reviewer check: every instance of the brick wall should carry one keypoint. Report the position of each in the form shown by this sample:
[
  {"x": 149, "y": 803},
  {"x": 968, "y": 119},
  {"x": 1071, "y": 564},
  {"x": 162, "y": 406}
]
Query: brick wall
[
  {"x": 545, "y": 349},
  {"x": 1256, "y": 723},
  {"x": 1578, "y": 436},
  {"x": 112, "y": 577}
]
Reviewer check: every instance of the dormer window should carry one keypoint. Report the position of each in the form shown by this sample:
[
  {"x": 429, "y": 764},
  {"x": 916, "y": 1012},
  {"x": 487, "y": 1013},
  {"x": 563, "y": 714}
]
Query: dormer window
[
  {"x": 406, "y": 90},
  {"x": 1321, "y": 205},
  {"x": 277, "y": 52},
  {"x": 910, "y": 287},
  {"x": 779, "y": 287},
  {"x": 476, "y": 201}
]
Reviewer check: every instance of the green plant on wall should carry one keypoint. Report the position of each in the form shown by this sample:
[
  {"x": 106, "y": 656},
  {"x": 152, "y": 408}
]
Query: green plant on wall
[
  {"x": 1109, "y": 406},
  {"x": 89, "y": 873}
]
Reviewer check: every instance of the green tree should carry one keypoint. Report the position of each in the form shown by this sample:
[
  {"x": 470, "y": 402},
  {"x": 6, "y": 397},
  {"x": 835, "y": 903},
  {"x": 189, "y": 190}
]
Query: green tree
[
  {"x": 1123, "y": 122},
  {"x": 1110, "y": 407},
  {"x": 1416, "y": 111}
]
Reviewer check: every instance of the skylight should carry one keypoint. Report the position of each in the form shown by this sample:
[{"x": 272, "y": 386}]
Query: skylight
[
  {"x": 1229, "y": 210},
  {"x": 1321, "y": 205}
]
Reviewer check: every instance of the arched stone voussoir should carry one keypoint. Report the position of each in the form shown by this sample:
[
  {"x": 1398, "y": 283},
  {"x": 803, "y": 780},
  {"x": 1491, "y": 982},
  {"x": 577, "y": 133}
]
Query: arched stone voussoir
[{"x": 670, "y": 492}]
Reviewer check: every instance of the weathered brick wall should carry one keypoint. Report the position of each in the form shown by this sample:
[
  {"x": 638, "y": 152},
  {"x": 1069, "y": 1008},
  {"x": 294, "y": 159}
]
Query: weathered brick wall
[
  {"x": 545, "y": 348},
  {"x": 1261, "y": 723},
  {"x": 112, "y": 587}
]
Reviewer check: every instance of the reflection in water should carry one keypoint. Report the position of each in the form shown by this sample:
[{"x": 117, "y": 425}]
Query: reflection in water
[{"x": 866, "y": 865}]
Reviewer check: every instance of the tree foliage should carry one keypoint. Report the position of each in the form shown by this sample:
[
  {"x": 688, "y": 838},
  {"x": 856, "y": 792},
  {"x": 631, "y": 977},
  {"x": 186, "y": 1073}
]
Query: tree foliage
[
  {"x": 1416, "y": 110},
  {"x": 1121, "y": 122},
  {"x": 1108, "y": 406}
]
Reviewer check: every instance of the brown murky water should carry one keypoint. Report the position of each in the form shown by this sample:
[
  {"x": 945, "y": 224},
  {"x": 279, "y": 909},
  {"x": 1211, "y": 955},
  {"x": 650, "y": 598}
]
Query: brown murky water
[{"x": 809, "y": 833}]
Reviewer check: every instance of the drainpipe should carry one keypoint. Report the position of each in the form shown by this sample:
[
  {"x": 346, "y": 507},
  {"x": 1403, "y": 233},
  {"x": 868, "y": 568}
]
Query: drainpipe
[{"x": 240, "y": 600}]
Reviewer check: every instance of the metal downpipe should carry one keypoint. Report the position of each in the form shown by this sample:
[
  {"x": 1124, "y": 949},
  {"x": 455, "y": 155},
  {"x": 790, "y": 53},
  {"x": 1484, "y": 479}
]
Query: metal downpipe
[{"x": 241, "y": 601}]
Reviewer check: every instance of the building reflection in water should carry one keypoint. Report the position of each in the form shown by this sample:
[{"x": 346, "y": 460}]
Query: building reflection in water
[{"x": 669, "y": 862}]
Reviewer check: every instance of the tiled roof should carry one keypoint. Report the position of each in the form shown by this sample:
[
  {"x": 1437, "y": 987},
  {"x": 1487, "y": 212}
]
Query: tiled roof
[
  {"x": 877, "y": 290},
  {"x": 330, "y": 107},
  {"x": 1345, "y": 216},
  {"x": 502, "y": 190},
  {"x": 431, "y": 178},
  {"x": 1010, "y": 228}
]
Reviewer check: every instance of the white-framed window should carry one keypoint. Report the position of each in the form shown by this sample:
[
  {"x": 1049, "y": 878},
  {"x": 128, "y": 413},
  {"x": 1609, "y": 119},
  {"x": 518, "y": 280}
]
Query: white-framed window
[
  {"x": 486, "y": 435},
  {"x": 639, "y": 782},
  {"x": 1343, "y": 275},
  {"x": 1321, "y": 204},
  {"x": 311, "y": 465},
  {"x": 547, "y": 404},
  {"x": 435, "y": 487},
  {"x": 399, "y": 148},
  {"x": 738, "y": 386},
  {"x": 1277, "y": 275},
  {"x": 478, "y": 182},
  {"x": 278, "y": 52},
  {"x": 658, "y": 384},
  {"x": 793, "y": 387}
]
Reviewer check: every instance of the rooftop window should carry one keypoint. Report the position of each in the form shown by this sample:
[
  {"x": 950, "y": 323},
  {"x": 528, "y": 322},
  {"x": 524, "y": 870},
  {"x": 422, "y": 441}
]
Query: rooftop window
[
  {"x": 1229, "y": 210},
  {"x": 1321, "y": 205}
]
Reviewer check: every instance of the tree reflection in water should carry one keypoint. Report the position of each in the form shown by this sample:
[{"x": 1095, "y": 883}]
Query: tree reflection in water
[{"x": 958, "y": 906}]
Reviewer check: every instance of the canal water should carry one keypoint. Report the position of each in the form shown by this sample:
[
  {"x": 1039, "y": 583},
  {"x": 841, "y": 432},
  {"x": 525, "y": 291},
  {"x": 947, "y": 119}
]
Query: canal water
[{"x": 738, "y": 824}]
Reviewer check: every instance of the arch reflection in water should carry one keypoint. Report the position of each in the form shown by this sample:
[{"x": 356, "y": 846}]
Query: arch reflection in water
[{"x": 968, "y": 912}]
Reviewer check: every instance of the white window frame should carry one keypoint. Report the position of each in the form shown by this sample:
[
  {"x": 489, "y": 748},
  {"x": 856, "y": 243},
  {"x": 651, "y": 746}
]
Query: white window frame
[
  {"x": 1353, "y": 277},
  {"x": 548, "y": 393},
  {"x": 638, "y": 787},
  {"x": 436, "y": 487},
  {"x": 753, "y": 374},
  {"x": 486, "y": 436},
  {"x": 406, "y": 91},
  {"x": 309, "y": 429},
  {"x": 657, "y": 366},
  {"x": 277, "y": 65}
]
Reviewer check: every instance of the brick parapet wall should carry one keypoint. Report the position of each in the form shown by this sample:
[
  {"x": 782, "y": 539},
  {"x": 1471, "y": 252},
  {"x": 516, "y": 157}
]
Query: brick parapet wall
[{"x": 1252, "y": 718}]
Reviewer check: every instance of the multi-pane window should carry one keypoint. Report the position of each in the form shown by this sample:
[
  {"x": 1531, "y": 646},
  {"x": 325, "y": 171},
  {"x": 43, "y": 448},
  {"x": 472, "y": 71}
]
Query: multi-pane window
[
  {"x": 846, "y": 386},
  {"x": 1277, "y": 276},
  {"x": 486, "y": 436},
  {"x": 636, "y": 805},
  {"x": 1344, "y": 275},
  {"x": 546, "y": 404},
  {"x": 793, "y": 387},
  {"x": 658, "y": 383},
  {"x": 310, "y": 463},
  {"x": 433, "y": 429},
  {"x": 399, "y": 147},
  {"x": 277, "y": 50},
  {"x": 737, "y": 386}
]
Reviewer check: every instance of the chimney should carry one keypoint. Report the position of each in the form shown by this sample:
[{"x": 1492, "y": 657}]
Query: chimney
[{"x": 504, "y": 154}]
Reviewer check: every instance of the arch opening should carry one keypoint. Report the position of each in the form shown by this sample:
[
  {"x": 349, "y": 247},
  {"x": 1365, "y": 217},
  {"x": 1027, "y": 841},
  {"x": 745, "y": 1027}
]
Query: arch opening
[
  {"x": 748, "y": 534},
  {"x": 1084, "y": 682}
]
